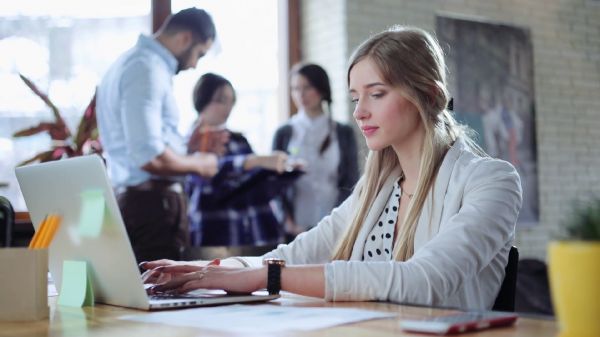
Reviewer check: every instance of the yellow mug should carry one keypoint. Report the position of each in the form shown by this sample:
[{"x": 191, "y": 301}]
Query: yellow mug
[{"x": 574, "y": 270}]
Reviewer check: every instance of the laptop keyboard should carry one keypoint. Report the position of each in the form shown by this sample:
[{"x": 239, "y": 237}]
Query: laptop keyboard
[
  {"x": 173, "y": 296},
  {"x": 188, "y": 296}
]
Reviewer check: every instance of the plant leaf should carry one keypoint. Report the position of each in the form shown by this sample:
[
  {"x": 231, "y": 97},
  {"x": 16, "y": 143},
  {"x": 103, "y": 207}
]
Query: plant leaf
[
  {"x": 46, "y": 99},
  {"x": 31, "y": 131},
  {"x": 41, "y": 157},
  {"x": 88, "y": 127},
  {"x": 584, "y": 223}
]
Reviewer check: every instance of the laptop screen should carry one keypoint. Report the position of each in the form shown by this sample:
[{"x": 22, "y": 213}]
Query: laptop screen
[{"x": 58, "y": 187}]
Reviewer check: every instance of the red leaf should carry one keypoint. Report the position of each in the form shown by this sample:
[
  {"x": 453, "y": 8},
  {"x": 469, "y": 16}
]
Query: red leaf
[
  {"x": 46, "y": 99},
  {"x": 31, "y": 131},
  {"x": 42, "y": 157}
]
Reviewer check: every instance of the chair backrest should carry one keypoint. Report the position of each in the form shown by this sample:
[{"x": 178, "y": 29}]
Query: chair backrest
[
  {"x": 505, "y": 301},
  {"x": 7, "y": 220}
]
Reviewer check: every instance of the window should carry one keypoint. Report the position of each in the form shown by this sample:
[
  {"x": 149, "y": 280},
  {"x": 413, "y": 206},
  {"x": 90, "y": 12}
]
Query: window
[
  {"x": 246, "y": 52},
  {"x": 64, "y": 47}
]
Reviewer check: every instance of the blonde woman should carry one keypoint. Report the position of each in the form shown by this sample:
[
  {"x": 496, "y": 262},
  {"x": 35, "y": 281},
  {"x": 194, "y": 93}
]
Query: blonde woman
[{"x": 430, "y": 222}]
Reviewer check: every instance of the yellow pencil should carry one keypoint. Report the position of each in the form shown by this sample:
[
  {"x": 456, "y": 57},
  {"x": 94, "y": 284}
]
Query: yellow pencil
[
  {"x": 44, "y": 233},
  {"x": 53, "y": 228},
  {"x": 38, "y": 234}
]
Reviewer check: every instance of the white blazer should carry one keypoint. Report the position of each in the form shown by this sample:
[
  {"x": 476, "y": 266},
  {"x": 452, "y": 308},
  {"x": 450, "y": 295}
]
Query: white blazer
[{"x": 462, "y": 240}]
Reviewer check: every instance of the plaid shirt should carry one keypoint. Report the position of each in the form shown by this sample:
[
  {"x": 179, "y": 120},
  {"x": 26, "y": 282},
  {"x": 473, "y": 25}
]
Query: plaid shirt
[{"x": 222, "y": 213}]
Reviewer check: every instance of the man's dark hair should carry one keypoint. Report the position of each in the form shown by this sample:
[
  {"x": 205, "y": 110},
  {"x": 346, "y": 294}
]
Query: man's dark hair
[{"x": 195, "y": 20}]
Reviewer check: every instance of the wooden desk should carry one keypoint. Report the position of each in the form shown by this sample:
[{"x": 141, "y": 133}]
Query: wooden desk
[{"x": 101, "y": 320}]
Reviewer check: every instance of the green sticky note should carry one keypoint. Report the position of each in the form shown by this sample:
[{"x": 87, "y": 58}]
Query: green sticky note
[
  {"x": 91, "y": 215},
  {"x": 76, "y": 289}
]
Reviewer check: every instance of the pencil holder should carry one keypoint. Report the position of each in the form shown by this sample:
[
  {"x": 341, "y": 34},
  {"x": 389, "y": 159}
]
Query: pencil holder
[{"x": 23, "y": 284}]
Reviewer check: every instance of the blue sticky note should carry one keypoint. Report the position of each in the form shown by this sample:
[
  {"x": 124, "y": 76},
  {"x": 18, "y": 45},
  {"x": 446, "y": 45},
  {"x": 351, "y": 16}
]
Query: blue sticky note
[
  {"x": 76, "y": 289},
  {"x": 91, "y": 215}
]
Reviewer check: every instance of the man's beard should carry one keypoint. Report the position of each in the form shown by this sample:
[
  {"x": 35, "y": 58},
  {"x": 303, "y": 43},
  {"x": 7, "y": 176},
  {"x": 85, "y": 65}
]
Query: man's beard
[{"x": 182, "y": 59}]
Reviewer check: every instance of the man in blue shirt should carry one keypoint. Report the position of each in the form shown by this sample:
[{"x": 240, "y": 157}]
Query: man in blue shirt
[{"x": 137, "y": 120}]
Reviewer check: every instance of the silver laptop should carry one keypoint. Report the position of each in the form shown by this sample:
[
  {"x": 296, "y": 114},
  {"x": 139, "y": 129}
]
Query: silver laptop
[{"x": 56, "y": 187}]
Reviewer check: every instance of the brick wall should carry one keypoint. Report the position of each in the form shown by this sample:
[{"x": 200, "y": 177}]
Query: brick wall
[
  {"x": 566, "y": 51},
  {"x": 324, "y": 41}
]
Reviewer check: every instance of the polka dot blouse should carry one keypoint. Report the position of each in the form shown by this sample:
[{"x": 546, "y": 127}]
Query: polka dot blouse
[{"x": 379, "y": 244}]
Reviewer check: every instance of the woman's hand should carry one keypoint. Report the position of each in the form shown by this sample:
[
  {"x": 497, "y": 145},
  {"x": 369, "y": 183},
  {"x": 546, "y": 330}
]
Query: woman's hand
[
  {"x": 155, "y": 273},
  {"x": 209, "y": 139},
  {"x": 207, "y": 164},
  {"x": 275, "y": 162},
  {"x": 186, "y": 278}
]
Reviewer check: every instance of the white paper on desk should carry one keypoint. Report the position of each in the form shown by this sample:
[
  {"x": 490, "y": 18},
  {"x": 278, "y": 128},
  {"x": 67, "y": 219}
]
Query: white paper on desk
[{"x": 259, "y": 318}]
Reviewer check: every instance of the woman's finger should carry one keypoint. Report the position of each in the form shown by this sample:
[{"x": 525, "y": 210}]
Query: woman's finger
[
  {"x": 156, "y": 263},
  {"x": 187, "y": 268},
  {"x": 176, "y": 282},
  {"x": 192, "y": 285},
  {"x": 164, "y": 277},
  {"x": 150, "y": 276},
  {"x": 157, "y": 277},
  {"x": 183, "y": 269}
]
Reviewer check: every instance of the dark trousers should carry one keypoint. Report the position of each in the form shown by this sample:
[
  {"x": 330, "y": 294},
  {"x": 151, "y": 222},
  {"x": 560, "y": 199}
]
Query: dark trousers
[{"x": 156, "y": 223}]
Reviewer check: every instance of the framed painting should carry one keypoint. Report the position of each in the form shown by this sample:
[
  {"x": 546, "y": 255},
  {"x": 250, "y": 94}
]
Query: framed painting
[{"x": 491, "y": 80}]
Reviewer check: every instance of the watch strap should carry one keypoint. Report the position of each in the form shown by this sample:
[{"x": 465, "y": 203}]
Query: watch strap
[
  {"x": 273, "y": 278},
  {"x": 274, "y": 266}
]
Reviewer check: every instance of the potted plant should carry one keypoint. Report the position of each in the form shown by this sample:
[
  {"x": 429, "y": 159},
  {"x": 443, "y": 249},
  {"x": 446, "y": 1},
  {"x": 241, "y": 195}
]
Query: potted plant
[
  {"x": 574, "y": 269},
  {"x": 63, "y": 143}
]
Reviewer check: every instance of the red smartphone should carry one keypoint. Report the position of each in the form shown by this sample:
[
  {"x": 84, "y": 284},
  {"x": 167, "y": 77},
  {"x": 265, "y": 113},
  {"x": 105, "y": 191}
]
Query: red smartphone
[{"x": 459, "y": 322}]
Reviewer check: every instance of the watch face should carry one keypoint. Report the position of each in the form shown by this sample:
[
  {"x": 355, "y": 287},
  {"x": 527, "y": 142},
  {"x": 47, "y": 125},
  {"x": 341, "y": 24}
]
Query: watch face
[{"x": 272, "y": 260}]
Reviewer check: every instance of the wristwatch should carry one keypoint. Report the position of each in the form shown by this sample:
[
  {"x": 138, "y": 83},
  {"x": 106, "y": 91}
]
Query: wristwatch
[{"x": 274, "y": 274}]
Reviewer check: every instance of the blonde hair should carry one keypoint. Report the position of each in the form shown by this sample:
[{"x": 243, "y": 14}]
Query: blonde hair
[{"x": 410, "y": 59}]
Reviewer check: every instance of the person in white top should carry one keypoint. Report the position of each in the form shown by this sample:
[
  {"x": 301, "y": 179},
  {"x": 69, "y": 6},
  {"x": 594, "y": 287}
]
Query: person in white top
[
  {"x": 329, "y": 147},
  {"x": 431, "y": 220}
]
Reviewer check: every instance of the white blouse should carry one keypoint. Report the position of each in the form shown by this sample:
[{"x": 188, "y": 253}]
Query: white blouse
[{"x": 316, "y": 191}]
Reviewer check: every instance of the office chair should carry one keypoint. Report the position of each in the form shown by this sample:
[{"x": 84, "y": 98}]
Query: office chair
[
  {"x": 505, "y": 301},
  {"x": 7, "y": 220}
]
